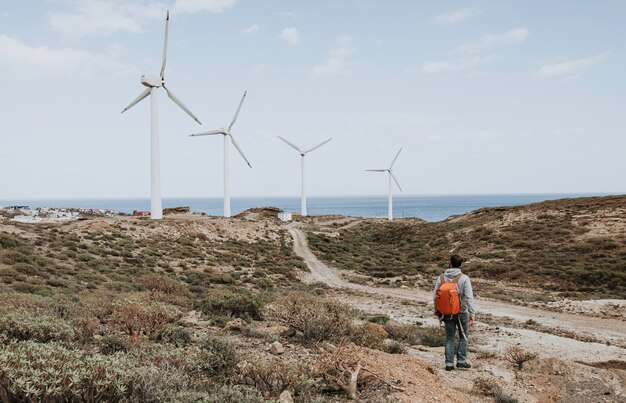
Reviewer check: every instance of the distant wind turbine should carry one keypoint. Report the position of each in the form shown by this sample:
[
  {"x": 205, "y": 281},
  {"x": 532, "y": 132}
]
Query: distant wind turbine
[
  {"x": 153, "y": 83},
  {"x": 302, "y": 155},
  {"x": 226, "y": 132},
  {"x": 391, "y": 176}
]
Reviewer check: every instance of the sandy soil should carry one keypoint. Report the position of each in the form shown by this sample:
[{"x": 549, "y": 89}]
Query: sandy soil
[{"x": 414, "y": 305}]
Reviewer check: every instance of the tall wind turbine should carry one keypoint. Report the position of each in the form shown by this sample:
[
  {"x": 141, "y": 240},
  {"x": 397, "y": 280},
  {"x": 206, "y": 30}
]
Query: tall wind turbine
[
  {"x": 391, "y": 176},
  {"x": 302, "y": 155},
  {"x": 153, "y": 83},
  {"x": 228, "y": 137}
]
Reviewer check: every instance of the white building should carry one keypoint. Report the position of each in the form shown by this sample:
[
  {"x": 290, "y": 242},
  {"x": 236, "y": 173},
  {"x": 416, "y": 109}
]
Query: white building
[
  {"x": 27, "y": 219},
  {"x": 284, "y": 216}
]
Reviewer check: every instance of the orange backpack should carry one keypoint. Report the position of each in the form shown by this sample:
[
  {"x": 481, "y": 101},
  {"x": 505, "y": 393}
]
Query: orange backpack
[{"x": 447, "y": 301}]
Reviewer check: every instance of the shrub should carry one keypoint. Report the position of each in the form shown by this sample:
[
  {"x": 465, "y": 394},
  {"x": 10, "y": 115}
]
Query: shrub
[
  {"x": 273, "y": 377},
  {"x": 31, "y": 371},
  {"x": 379, "y": 319},
  {"x": 223, "y": 394},
  {"x": 20, "y": 326},
  {"x": 432, "y": 336},
  {"x": 517, "y": 356},
  {"x": 233, "y": 302},
  {"x": 364, "y": 335},
  {"x": 172, "y": 334},
  {"x": 221, "y": 358},
  {"x": 161, "y": 283},
  {"x": 489, "y": 387},
  {"x": 138, "y": 318},
  {"x": 394, "y": 347},
  {"x": 113, "y": 344},
  {"x": 316, "y": 318}
]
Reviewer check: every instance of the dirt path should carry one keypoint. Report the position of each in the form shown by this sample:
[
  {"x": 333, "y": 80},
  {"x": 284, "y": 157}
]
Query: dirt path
[{"x": 549, "y": 345}]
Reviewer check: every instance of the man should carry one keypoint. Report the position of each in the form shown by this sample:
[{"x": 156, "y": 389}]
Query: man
[{"x": 463, "y": 320}]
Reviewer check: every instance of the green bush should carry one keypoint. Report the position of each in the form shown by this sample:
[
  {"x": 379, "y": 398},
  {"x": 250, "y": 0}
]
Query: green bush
[
  {"x": 315, "y": 318},
  {"x": 222, "y": 394},
  {"x": 233, "y": 302},
  {"x": 222, "y": 358},
  {"x": 432, "y": 336},
  {"x": 172, "y": 334},
  {"x": 20, "y": 326},
  {"x": 31, "y": 371},
  {"x": 113, "y": 344}
]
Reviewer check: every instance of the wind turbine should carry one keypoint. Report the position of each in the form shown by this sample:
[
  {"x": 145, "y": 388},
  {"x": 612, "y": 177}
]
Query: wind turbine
[
  {"x": 302, "y": 155},
  {"x": 391, "y": 176},
  {"x": 226, "y": 132},
  {"x": 153, "y": 83}
]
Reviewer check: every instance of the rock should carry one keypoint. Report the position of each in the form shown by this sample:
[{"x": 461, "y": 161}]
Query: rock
[
  {"x": 276, "y": 348},
  {"x": 237, "y": 324},
  {"x": 285, "y": 397},
  {"x": 378, "y": 329}
]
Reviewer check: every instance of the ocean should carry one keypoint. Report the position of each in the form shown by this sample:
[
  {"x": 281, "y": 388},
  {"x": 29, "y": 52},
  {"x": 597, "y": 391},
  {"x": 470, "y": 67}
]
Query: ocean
[{"x": 429, "y": 208}]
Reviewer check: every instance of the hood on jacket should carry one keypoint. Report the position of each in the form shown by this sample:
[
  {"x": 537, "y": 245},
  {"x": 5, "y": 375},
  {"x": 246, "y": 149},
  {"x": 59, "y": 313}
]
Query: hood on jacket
[{"x": 451, "y": 273}]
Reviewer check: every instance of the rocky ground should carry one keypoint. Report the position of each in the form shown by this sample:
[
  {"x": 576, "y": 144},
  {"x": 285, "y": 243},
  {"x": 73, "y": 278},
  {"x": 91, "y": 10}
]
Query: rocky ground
[{"x": 580, "y": 345}]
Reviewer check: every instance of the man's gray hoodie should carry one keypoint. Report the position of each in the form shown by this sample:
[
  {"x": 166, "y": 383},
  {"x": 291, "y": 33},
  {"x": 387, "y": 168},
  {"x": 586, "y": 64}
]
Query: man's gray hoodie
[{"x": 464, "y": 285}]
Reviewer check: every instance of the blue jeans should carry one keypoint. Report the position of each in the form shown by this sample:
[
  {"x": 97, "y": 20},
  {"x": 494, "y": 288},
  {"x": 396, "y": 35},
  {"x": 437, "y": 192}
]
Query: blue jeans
[{"x": 451, "y": 327}]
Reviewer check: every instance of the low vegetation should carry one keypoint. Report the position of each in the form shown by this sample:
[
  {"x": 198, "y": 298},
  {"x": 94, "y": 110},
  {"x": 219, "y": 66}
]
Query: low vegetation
[
  {"x": 490, "y": 388},
  {"x": 518, "y": 356},
  {"x": 576, "y": 247}
]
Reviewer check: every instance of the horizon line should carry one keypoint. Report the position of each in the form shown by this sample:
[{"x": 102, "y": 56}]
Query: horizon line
[{"x": 582, "y": 194}]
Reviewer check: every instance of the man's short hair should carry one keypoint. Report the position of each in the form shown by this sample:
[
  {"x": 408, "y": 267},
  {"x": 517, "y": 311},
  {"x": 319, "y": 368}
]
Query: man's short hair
[{"x": 456, "y": 261}]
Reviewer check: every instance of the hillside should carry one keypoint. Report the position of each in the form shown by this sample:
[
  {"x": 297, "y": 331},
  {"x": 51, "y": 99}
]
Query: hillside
[
  {"x": 576, "y": 246},
  {"x": 205, "y": 309}
]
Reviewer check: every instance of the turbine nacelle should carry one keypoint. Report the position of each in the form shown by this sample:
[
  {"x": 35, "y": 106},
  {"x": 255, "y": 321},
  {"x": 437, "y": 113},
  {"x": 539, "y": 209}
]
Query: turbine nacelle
[{"x": 151, "y": 81}]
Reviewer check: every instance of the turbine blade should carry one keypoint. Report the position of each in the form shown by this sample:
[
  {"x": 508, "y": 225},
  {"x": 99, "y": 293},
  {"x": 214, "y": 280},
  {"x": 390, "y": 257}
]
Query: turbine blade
[
  {"x": 208, "y": 133},
  {"x": 180, "y": 103},
  {"x": 238, "y": 109},
  {"x": 318, "y": 146},
  {"x": 395, "y": 180},
  {"x": 167, "y": 23},
  {"x": 376, "y": 170},
  {"x": 291, "y": 144},
  {"x": 395, "y": 158},
  {"x": 141, "y": 96},
  {"x": 239, "y": 149}
]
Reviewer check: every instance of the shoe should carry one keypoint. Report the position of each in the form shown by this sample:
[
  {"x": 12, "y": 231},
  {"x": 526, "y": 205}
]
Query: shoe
[
  {"x": 449, "y": 367},
  {"x": 463, "y": 365}
]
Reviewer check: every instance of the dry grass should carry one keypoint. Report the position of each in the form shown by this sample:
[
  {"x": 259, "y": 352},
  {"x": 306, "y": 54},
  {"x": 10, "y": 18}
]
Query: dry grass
[{"x": 576, "y": 247}]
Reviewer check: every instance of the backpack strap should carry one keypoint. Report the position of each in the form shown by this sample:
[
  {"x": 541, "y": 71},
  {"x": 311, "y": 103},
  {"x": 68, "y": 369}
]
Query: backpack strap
[
  {"x": 456, "y": 279},
  {"x": 442, "y": 279}
]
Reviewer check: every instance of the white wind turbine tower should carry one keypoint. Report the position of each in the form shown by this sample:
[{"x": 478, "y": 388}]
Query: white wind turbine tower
[
  {"x": 226, "y": 132},
  {"x": 153, "y": 83},
  {"x": 302, "y": 155},
  {"x": 391, "y": 176}
]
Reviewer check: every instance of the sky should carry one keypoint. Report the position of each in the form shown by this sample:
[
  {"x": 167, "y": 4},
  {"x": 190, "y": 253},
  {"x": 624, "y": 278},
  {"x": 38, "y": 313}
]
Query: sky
[{"x": 484, "y": 97}]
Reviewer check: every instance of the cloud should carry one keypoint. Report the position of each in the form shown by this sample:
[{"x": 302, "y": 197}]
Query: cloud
[
  {"x": 291, "y": 36},
  {"x": 571, "y": 69},
  {"x": 340, "y": 61},
  {"x": 252, "y": 29},
  {"x": 456, "y": 16},
  {"x": 194, "y": 6},
  {"x": 104, "y": 18},
  {"x": 107, "y": 17},
  {"x": 488, "y": 42},
  {"x": 460, "y": 65},
  {"x": 20, "y": 61}
]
